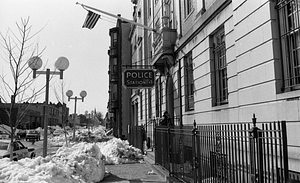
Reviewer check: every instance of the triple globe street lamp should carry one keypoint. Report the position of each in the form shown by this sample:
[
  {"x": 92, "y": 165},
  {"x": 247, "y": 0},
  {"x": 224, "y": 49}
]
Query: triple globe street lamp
[
  {"x": 35, "y": 63},
  {"x": 69, "y": 94}
]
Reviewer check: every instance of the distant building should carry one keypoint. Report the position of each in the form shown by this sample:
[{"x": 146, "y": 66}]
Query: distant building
[
  {"x": 119, "y": 97},
  {"x": 32, "y": 114}
]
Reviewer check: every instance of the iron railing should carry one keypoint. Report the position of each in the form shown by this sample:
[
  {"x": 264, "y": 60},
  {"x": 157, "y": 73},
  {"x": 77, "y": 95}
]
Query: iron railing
[
  {"x": 137, "y": 137},
  {"x": 233, "y": 153},
  {"x": 150, "y": 129}
]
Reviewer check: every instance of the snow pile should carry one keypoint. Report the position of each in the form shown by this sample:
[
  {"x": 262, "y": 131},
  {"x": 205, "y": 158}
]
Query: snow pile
[
  {"x": 117, "y": 151},
  {"x": 81, "y": 162},
  {"x": 77, "y": 164},
  {"x": 58, "y": 141},
  {"x": 97, "y": 135},
  {"x": 100, "y": 131},
  {"x": 85, "y": 159}
]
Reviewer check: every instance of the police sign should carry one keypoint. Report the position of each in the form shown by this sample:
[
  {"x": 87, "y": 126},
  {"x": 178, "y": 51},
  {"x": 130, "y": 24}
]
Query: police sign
[{"x": 138, "y": 78}]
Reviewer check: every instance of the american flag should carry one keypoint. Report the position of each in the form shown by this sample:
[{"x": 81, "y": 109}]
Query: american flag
[{"x": 90, "y": 20}]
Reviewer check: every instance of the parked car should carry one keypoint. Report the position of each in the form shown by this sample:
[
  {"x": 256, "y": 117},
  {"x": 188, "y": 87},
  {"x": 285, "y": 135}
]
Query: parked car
[
  {"x": 33, "y": 135},
  {"x": 19, "y": 150},
  {"x": 4, "y": 135},
  {"x": 21, "y": 134}
]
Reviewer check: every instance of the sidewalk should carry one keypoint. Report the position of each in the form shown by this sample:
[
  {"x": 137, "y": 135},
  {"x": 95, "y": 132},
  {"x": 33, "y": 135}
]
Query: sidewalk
[
  {"x": 146, "y": 171},
  {"x": 150, "y": 159},
  {"x": 131, "y": 173}
]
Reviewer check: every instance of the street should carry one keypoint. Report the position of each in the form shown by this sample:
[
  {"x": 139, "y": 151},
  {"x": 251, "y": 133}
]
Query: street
[{"x": 38, "y": 145}]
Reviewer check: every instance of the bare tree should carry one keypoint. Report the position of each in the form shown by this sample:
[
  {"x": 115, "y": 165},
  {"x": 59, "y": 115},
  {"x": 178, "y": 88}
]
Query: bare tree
[
  {"x": 99, "y": 117},
  {"x": 17, "y": 48},
  {"x": 60, "y": 96}
]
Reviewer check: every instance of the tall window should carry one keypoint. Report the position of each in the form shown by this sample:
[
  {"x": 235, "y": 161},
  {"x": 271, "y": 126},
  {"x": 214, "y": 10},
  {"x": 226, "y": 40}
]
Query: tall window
[
  {"x": 114, "y": 39},
  {"x": 188, "y": 6},
  {"x": 156, "y": 35},
  {"x": 158, "y": 97},
  {"x": 149, "y": 49},
  {"x": 289, "y": 23},
  {"x": 149, "y": 8},
  {"x": 189, "y": 82},
  {"x": 114, "y": 64},
  {"x": 141, "y": 61},
  {"x": 114, "y": 42},
  {"x": 219, "y": 66}
]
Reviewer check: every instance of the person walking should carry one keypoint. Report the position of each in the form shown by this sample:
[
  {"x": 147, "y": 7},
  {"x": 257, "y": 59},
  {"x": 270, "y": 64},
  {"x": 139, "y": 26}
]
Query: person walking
[{"x": 166, "y": 121}]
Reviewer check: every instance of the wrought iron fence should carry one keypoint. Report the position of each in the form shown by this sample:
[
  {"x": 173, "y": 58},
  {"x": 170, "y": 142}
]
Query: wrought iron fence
[
  {"x": 137, "y": 137},
  {"x": 150, "y": 129},
  {"x": 233, "y": 153}
]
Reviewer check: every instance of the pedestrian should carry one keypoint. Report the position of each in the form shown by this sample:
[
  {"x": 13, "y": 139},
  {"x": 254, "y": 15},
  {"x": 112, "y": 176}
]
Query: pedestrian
[{"x": 165, "y": 119}]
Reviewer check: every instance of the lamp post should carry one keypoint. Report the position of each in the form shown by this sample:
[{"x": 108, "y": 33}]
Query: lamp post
[
  {"x": 69, "y": 94},
  {"x": 35, "y": 63}
]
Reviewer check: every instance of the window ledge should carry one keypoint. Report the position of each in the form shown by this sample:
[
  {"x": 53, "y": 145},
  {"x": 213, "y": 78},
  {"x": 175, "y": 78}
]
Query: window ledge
[
  {"x": 189, "y": 15},
  {"x": 288, "y": 95},
  {"x": 220, "y": 107}
]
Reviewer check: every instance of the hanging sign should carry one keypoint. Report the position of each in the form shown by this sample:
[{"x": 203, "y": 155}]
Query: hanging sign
[{"x": 138, "y": 78}]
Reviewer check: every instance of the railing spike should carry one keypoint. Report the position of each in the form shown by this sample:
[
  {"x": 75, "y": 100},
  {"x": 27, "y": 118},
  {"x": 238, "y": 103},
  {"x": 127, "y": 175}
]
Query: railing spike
[{"x": 254, "y": 120}]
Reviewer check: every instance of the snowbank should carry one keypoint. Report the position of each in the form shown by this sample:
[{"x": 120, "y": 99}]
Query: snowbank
[
  {"x": 117, "y": 151},
  {"x": 83, "y": 162},
  {"x": 79, "y": 163},
  {"x": 97, "y": 135}
]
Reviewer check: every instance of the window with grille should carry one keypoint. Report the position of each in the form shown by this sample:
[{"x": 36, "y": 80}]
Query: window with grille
[
  {"x": 219, "y": 66},
  {"x": 289, "y": 25},
  {"x": 189, "y": 82}
]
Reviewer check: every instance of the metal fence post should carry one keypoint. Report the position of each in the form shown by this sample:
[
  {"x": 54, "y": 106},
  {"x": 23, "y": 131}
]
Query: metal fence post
[
  {"x": 194, "y": 146},
  {"x": 154, "y": 141},
  {"x": 169, "y": 149},
  {"x": 256, "y": 153},
  {"x": 285, "y": 151}
]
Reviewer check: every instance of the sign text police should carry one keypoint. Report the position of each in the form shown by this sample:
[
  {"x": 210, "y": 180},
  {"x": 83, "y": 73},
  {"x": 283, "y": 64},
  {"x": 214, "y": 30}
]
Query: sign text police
[{"x": 138, "y": 78}]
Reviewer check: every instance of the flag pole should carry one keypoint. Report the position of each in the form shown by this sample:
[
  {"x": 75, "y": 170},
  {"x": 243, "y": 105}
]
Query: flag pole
[{"x": 118, "y": 17}]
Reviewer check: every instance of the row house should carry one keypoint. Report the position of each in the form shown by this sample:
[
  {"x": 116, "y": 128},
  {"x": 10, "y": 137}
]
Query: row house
[{"x": 119, "y": 97}]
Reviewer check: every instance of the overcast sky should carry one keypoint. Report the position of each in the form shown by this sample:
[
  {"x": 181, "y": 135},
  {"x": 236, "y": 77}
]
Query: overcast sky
[{"x": 63, "y": 35}]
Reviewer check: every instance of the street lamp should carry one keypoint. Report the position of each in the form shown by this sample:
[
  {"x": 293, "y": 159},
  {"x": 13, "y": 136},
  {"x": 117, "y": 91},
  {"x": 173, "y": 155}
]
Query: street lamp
[
  {"x": 35, "y": 63},
  {"x": 69, "y": 94}
]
